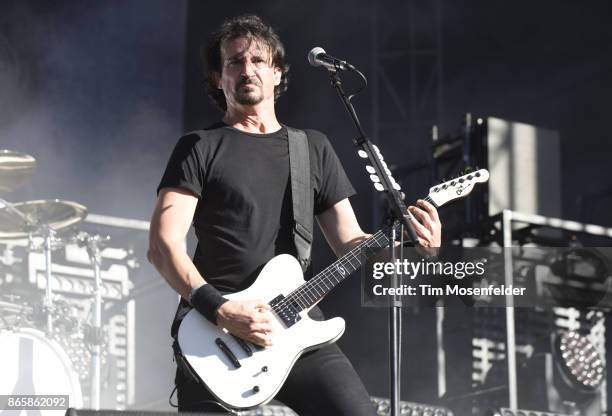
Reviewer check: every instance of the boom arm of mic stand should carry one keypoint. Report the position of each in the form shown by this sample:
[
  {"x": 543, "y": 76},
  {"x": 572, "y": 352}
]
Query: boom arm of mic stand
[{"x": 394, "y": 198}]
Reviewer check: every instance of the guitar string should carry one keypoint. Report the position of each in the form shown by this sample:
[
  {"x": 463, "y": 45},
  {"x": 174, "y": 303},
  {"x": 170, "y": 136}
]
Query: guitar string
[
  {"x": 298, "y": 293},
  {"x": 302, "y": 295},
  {"x": 313, "y": 286},
  {"x": 308, "y": 293},
  {"x": 325, "y": 278}
]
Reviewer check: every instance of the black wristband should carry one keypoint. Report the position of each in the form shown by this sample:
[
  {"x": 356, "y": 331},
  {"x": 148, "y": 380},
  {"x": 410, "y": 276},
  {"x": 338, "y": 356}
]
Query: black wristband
[{"x": 207, "y": 300}]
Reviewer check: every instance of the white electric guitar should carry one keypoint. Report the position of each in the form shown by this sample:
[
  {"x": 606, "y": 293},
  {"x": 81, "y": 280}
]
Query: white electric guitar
[{"x": 242, "y": 375}]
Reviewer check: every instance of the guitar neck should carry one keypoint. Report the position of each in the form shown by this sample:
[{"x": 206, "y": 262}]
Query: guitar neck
[
  {"x": 316, "y": 288},
  {"x": 320, "y": 285}
]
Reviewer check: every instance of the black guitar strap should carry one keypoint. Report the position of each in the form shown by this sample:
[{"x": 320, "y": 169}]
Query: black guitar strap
[{"x": 301, "y": 194}]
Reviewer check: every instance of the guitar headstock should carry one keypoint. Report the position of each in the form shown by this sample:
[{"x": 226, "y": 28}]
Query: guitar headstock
[{"x": 458, "y": 187}]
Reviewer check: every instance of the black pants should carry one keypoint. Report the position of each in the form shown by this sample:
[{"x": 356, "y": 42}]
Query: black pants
[{"x": 322, "y": 382}]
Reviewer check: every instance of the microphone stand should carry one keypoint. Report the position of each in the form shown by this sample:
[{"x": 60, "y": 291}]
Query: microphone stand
[{"x": 398, "y": 214}]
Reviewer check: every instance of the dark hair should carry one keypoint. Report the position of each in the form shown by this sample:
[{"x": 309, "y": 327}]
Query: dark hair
[{"x": 244, "y": 25}]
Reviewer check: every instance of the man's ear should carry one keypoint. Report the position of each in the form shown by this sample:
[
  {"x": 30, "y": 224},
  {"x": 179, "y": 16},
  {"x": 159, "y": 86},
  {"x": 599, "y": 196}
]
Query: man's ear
[
  {"x": 216, "y": 77},
  {"x": 278, "y": 75}
]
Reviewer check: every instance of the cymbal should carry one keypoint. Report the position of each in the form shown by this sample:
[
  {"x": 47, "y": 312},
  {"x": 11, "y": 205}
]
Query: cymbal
[
  {"x": 16, "y": 169},
  {"x": 54, "y": 213}
]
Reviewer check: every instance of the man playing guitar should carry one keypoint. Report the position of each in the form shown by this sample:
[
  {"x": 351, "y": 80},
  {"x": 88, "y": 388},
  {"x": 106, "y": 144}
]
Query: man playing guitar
[{"x": 232, "y": 182}]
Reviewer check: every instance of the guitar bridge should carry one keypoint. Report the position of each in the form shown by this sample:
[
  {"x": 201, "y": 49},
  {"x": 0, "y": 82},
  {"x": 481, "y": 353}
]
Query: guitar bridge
[{"x": 286, "y": 311}]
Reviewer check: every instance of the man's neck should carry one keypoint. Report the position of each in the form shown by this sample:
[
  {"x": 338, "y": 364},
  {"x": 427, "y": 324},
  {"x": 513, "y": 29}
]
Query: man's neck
[{"x": 252, "y": 119}]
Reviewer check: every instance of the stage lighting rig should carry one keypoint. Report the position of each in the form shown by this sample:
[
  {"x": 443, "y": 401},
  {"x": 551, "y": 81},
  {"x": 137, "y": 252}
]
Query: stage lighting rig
[{"x": 580, "y": 362}]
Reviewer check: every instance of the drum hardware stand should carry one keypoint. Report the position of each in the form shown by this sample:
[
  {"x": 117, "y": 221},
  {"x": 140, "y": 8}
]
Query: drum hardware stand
[
  {"x": 93, "y": 244},
  {"x": 380, "y": 174},
  {"x": 47, "y": 247},
  {"x": 48, "y": 303},
  {"x": 49, "y": 236}
]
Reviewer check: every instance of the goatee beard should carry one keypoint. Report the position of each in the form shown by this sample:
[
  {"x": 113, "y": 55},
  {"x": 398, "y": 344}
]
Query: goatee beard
[{"x": 248, "y": 99}]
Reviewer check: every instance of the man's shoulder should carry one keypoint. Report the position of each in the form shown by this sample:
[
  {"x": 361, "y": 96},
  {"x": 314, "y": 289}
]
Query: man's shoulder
[
  {"x": 203, "y": 136},
  {"x": 316, "y": 138}
]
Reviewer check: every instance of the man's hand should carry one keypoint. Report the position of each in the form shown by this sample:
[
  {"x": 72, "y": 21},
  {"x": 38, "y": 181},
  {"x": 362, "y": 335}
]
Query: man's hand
[
  {"x": 250, "y": 320},
  {"x": 427, "y": 226}
]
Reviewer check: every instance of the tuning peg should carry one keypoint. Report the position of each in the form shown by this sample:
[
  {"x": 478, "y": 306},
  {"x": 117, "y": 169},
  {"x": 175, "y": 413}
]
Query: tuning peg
[
  {"x": 370, "y": 169},
  {"x": 362, "y": 154},
  {"x": 379, "y": 187},
  {"x": 374, "y": 178}
]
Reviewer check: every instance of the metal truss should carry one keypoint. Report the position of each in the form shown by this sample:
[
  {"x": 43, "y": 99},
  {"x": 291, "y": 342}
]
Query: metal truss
[{"x": 407, "y": 76}]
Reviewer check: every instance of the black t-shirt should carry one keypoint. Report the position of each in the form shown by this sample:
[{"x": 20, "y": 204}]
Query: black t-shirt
[{"x": 244, "y": 215}]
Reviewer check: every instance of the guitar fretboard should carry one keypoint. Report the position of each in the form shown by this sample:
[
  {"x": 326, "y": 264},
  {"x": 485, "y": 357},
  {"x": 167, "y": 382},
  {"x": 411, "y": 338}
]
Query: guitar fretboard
[
  {"x": 316, "y": 288},
  {"x": 320, "y": 285}
]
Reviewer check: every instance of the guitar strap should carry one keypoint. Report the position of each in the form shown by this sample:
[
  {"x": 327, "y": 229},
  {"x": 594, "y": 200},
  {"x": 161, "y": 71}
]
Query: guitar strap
[{"x": 301, "y": 194}]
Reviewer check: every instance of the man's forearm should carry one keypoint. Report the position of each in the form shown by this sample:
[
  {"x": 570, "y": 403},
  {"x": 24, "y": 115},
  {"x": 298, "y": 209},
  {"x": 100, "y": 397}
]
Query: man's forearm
[
  {"x": 177, "y": 268},
  {"x": 354, "y": 243},
  {"x": 182, "y": 275}
]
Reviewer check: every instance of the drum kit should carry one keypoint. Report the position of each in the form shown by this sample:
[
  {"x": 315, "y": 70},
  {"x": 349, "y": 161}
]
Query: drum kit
[{"x": 46, "y": 347}]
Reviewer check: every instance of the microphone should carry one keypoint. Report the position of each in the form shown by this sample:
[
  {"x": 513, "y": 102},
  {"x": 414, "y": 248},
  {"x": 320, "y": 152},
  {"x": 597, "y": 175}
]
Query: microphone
[{"x": 318, "y": 57}]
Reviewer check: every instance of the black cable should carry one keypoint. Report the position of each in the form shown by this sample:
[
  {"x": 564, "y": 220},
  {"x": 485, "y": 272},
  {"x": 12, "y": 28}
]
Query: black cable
[
  {"x": 363, "y": 86},
  {"x": 170, "y": 398}
]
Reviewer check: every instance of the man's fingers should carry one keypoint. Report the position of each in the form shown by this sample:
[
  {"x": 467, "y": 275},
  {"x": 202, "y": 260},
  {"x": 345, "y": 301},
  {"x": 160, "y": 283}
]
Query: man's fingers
[
  {"x": 425, "y": 234},
  {"x": 421, "y": 230},
  {"x": 432, "y": 222},
  {"x": 263, "y": 316},
  {"x": 261, "y": 338},
  {"x": 265, "y": 327},
  {"x": 431, "y": 210},
  {"x": 425, "y": 219},
  {"x": 260, "y": 304}
]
